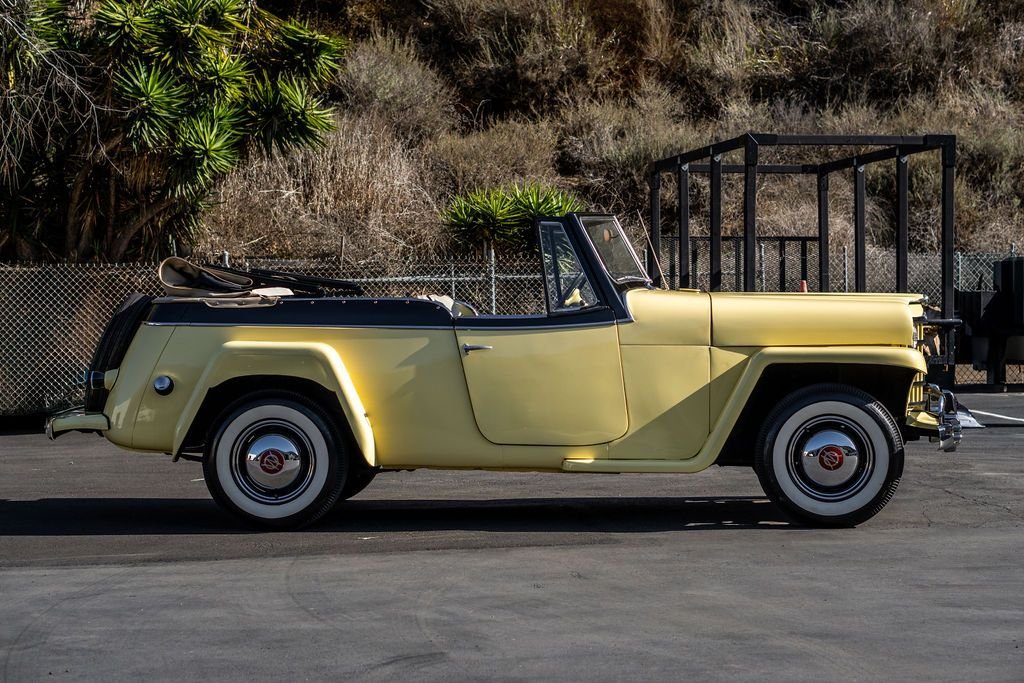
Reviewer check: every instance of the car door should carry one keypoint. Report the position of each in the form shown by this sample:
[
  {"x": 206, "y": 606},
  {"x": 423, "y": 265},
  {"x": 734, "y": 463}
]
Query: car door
[{"x": 553, "y": 379}]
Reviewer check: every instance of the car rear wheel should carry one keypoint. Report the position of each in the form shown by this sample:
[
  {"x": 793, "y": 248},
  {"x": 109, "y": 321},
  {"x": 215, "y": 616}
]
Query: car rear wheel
[
  {"x": 276, "y": 460},
  {"x": 830, "y": 455}
]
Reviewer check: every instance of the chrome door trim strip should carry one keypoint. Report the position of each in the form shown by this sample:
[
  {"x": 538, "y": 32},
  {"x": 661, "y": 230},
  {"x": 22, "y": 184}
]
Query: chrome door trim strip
[{"x": 539, "y": 327}]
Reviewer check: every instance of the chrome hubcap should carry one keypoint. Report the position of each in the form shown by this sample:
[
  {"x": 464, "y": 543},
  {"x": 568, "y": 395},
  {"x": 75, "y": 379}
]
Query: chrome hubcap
[
  {"x": 830, "y": 458},
  {"x": 272, "y": 462}
]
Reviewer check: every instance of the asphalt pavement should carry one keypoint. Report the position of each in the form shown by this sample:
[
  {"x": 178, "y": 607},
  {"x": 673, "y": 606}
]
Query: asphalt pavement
[{"x": 116, "y": 565}]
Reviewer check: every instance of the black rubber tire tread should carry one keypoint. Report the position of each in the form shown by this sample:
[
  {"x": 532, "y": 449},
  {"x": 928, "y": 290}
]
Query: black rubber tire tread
[
  {"x": 813, "y": 394},
  {"x": 339, "y": 466},
  {"x": 359, "y": 478}
]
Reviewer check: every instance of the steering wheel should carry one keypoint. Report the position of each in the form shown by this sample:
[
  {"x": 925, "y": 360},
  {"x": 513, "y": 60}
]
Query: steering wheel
[{"x": 563, "y": 300}]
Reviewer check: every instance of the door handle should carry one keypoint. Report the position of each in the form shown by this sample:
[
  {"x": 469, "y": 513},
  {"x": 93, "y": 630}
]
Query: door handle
[{"x": 466, "y": 348}]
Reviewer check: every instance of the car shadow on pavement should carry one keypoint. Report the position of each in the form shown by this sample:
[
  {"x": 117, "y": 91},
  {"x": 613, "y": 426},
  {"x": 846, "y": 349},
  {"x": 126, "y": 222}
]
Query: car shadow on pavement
[
  {"x": 158, "y": 516},
  {"x": 638, "y": 514}
]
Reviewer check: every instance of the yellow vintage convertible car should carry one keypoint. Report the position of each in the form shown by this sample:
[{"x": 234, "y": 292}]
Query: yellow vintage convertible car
[{"x": 294, "y": 401}]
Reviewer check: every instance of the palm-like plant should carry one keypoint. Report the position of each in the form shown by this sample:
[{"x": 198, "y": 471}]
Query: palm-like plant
[
  {"x": 482, "y": 218},
  {"x": 501, "y": 217},
  {"x": 183, "y": 89},
  {"x": 531, "y": 200}
]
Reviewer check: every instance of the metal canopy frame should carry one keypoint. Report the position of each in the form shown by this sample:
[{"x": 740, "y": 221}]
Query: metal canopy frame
[{"x": 893, "y": 147}]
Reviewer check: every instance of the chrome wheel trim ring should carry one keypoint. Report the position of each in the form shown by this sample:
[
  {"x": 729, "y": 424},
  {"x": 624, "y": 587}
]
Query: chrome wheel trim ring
[
  {"x": 272, "y": 461},
  {"x": 830, "y": 458}
]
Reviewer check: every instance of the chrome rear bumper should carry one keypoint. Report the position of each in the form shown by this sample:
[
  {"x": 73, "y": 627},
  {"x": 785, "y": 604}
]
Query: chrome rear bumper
[{"x": 76, "y": 420}]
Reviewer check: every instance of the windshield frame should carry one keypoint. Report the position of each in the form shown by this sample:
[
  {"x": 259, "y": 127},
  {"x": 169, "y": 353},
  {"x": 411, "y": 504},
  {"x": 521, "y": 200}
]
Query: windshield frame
[{"x": 642, "y": 278}]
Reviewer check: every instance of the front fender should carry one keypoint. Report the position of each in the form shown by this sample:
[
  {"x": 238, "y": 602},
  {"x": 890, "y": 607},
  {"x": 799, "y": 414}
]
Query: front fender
[
  {"x": 891, "y": 356},
  {"x": 312, "y": 361},
  {"x": 752, "y": 367}
]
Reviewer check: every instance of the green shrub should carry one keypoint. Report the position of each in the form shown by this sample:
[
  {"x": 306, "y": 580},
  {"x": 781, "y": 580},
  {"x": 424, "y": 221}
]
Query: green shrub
[{"x": 501, "y": 218}]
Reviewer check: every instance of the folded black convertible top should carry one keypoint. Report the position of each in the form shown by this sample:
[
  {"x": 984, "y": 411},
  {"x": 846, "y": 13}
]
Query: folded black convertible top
[{"x": 185, "y": 279}]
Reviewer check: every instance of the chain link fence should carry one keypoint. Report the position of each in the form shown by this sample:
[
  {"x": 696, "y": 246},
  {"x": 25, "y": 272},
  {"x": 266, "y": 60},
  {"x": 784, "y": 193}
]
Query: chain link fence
[
  {"x": 782, "y": 262},
  {"x": 52, "y": 315},
  {"x": 496, "y": 286}
]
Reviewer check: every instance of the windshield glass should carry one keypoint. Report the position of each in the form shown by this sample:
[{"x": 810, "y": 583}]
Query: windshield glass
[{"x": 614, "y": 248}]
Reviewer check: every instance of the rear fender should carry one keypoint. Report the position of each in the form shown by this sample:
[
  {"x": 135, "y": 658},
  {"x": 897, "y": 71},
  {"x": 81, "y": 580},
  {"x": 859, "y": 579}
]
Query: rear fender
[{"x": 312, "y": 361}]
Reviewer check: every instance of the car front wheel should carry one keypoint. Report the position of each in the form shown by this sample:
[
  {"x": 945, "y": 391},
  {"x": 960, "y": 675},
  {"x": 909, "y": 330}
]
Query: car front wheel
[
  {"x": 276, "y": 460},
  {"x": 830, "y": 455}
]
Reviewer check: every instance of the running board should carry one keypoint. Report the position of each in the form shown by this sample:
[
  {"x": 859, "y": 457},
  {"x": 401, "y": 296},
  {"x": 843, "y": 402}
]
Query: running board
[{"x": 610, "y": 466}]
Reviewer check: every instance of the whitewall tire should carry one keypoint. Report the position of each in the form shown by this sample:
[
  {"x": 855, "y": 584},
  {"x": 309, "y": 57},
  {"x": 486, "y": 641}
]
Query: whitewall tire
[
  {"x": 830, "y": 455},
  {"x": 276, "y": 460}
]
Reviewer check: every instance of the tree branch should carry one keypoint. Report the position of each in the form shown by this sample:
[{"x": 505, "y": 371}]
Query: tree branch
[
  {"x": 71, "y": 220},
  {"x": 75, "y": 239},
  {"x": 129, "y": 233}
]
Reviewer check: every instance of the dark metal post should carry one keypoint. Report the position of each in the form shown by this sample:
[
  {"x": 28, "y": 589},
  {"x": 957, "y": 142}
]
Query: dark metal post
[
  {"x": 749, "y": 214},
  {"x": 823, "y": 274},
  {"x": 684, "y": 226},
  {"x": 695, "y": 262},
  {"x": 948, "y": 171},
  {"x": 654, "y": 253},
  {"x": 738, "y": 279},
  {"x": 781, "y": 264},
  {"x": 716, "y": 223},
  {"x": 902, "y": 220},
  {"x": 671, "y": 268},
  {"x": 859, "y": 257}
]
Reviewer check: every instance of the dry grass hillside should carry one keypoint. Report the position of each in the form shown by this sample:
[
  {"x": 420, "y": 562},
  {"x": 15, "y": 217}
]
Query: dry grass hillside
[{"x": 440, "y": 97}]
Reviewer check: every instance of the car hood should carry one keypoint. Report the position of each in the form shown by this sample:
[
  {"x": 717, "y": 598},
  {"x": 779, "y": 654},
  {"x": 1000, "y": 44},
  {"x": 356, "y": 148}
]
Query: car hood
[{"x": 801, "y": 319}]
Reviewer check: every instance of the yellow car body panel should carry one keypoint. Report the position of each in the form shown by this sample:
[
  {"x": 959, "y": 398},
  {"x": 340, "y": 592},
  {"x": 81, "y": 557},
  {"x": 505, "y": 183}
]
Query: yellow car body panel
[
  {"x": 546, "y": 386},
  {"x": 396, "y": 387},
  {"x": 755, "y": 365},
  {"x": 667, "y": 393},
  {"x": 130, "y": 381},
  {"x": 748, "y": 319},
  {"x": 649, "y": 394},
  {"x": 314, "y": 361},
  {"x": 727, "y": 367},
  {"x": 667, "y": 318},
  {"x": 665, "y": 365}
]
